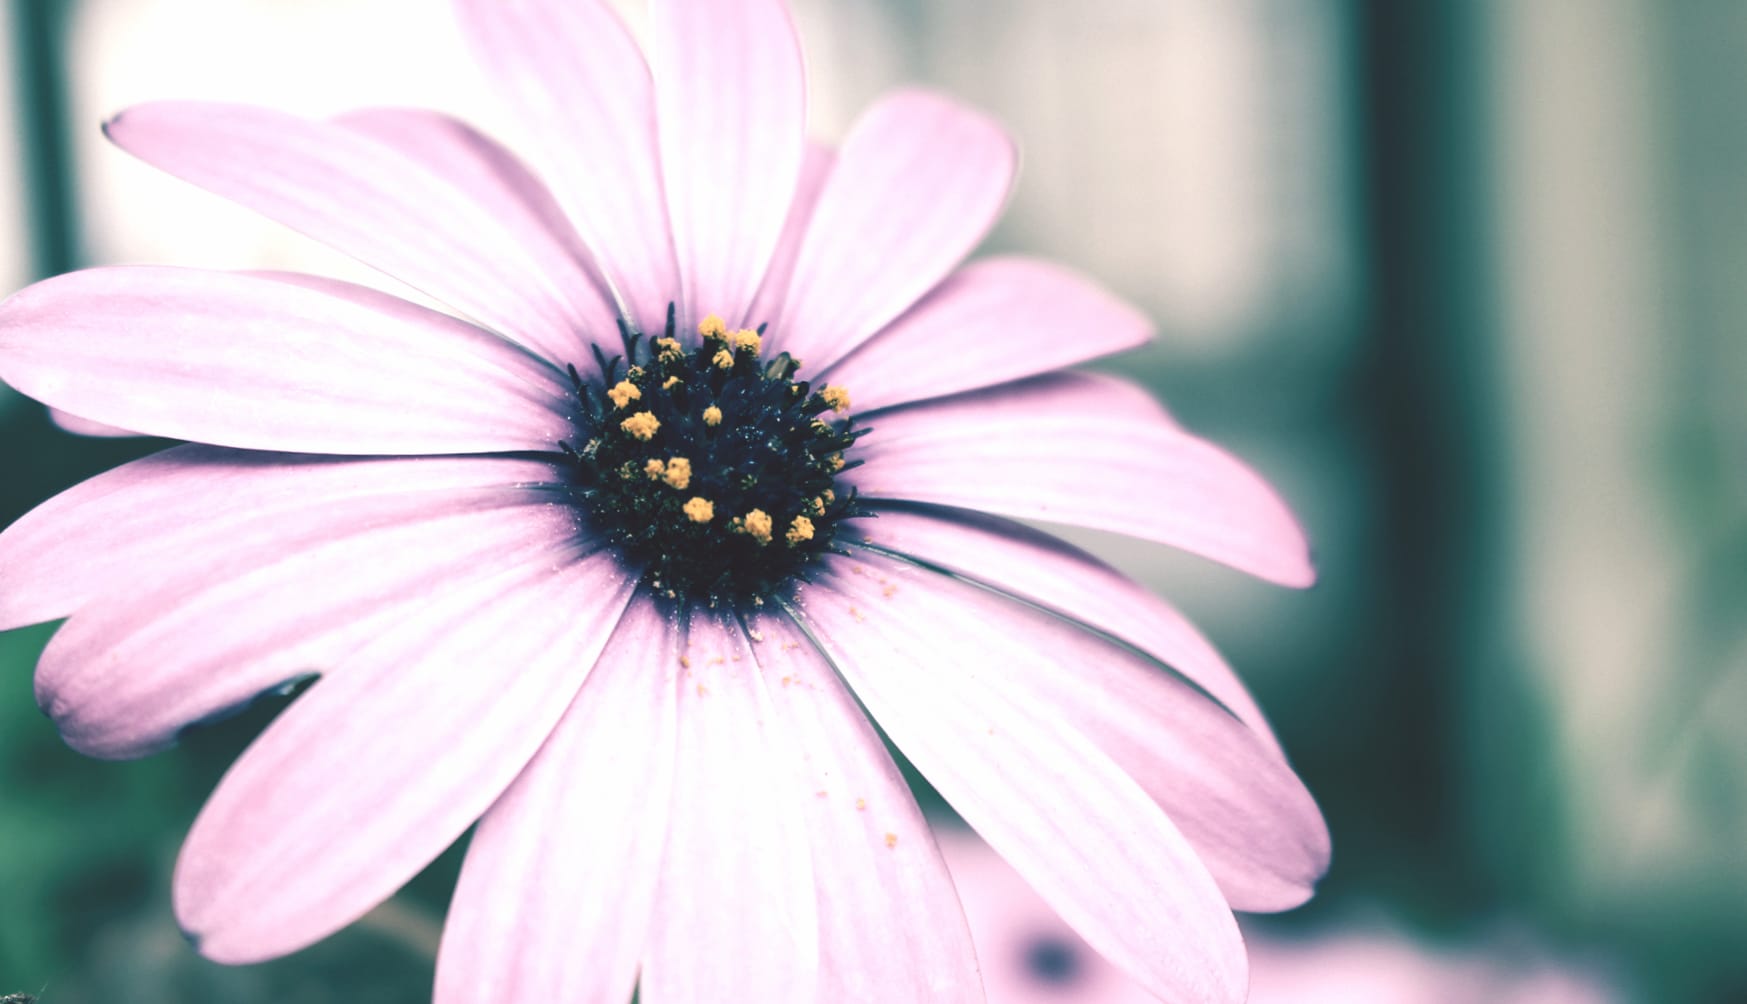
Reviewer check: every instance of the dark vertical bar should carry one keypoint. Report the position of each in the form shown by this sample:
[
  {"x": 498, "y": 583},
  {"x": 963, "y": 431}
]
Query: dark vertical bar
[
  {"x": 38, "y": 59},
  {"x": 1423, "y": 383}
]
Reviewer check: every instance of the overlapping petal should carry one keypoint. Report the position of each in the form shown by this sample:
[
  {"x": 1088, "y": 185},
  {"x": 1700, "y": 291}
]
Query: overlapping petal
[
  {"x": 505, "y": 189},
  {"x": 256, "y": 363},
  {"x": 573, "y": 75},
  {"x": 918, "y": 182},
  {"x": 366, "y": 199},
  {"x": 1064, "y": 448},
  {"x": 556, "y": 895},
  {"x": 193, "y": 505},
  {"x": 445, "y": 708},
  {"x": 944, "y": 668},
  {"x": 816, "y": 168},
  {"x": 297, "y": 592},
  {"x": 1226, "y": 787},
  {"x": 993, "y": 321},
  {"x": 736, "y": 917},
  {"x": 731, "y": 104},
  {"x": 890, "y": 926}
]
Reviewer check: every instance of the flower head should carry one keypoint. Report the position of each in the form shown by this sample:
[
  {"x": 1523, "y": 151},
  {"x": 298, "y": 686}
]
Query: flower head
[{"x": 609, "y": 569}]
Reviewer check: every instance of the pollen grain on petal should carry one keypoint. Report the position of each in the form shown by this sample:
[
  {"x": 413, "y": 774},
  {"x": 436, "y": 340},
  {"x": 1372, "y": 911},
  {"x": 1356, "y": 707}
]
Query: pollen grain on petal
[
  {"x": 643, "y": 425},
  {"x": 700, "y": 510}
]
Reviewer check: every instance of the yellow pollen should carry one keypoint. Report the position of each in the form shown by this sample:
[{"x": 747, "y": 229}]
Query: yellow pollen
[
  {"x": 800, "y": 530},
  {"x": 829, "y": 496},
  {"x": 665, "y": 345},
  {"x": 836, "y": 397},
  {"x": 669, "y": 382},
  {"x": 757, "y": 525},
  {"x": 748, "y": 341},
  {"x": 642, "y": 425},
  {"x": 678, "y": 473},
  {"x": 635, "y": 373},
  {"x": 713, "y": 327},
  {"x": 837, "y": 461},
  {"x": 818, "y": 506},
  {"x": 723, "y": 359},
  {"x": 700, "y": 510},
  {"x": 623, "y": 393},
  {"x": 712, "y": 415},
  {"x": 655, "y": 469}
]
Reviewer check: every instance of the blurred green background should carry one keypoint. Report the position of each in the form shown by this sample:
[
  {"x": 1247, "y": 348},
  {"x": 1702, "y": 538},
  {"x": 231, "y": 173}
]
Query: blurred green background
[{"x": 1466, "y": 278}]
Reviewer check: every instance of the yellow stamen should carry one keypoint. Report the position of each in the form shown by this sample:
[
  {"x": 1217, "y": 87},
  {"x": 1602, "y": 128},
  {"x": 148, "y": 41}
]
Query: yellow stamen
[
  {"x": 817, "y": 506},
  {"x": 836, "y": 397},
  {"x": 712, "y": 415},
  {"x": 828, "y": 495},
  {"x": 837, "y": 462},
  {"x": 655, "y": 469},
  {"x": 623, "y": 393},
  {"x": 667, "y": 346},
  {"x": 713, "y": 327},
  {"x": 642, "y": 425},
  {"x": 635, "y": 373},
  {"x": 678, "y": 473},
  {"x": 723, "y": 359},
  {"x": 748, "y": 341},
  {"x": 800, "y": 530},
  {"x": 757, "y": 525},
  {"x": 669, "y": 382},
  {"x": 700, "y": 510}
]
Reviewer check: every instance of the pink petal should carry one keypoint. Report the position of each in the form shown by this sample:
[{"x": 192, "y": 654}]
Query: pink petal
[
  {"x": 815, "y": 169},
  {"x": 1065, "y": 448},
  {"x": 295, "y": 593},
  {"x": 365, "y": 199},
  {"x": 376, "y": 769},
  {"x": 918, "y": 183},
  {"x": 573, "y": 74},
  {"x": 256, "y": 363},
  {"x": 69, "y": 422},
  {"x": 890, "y": 924},
  {"x": 731, "y": 101},
  {"x": 555, "y": 898},
  {"x": 1059, "y": 577},
  {"x": 499, "y": 183},
  {"x": 736, "y": 918},
  {"x": 991, "y": 322},
  {"x": 191, "y": 505},
  {"x": 1230, "y": 791},
  {"x": 939, "y": 664}
]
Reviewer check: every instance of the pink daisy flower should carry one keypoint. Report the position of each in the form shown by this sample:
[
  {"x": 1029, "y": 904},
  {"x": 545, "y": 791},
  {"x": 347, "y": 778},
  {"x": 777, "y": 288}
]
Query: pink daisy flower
[{"x": 714, "y": 459}]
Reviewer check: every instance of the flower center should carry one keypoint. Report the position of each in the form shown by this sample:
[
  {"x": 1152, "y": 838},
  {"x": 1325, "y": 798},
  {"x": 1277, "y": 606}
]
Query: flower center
[{"x": 709, "y": 466}]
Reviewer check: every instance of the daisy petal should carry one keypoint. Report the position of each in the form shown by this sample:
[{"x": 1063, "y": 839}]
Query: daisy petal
[
  {"x": 299, "y": 591},
  {"x": 991, "y": 322},
  {"x": 731, "y": 101},
  {"x": 555, "y": 898},
  {"x": 190, "y": 504},
  {"x": 890, "y": 926},
  {"x": 69, "y": 422},
  {"x": 1059, "y": 577},
  {"x": 251, "y": 362},
  {"x": 364, "y": 199},
  {"x": 1229, "y": 790},
  {"x": 446, "y": 708},
  {"x": 919, "y": 181},
  {"x": 815, "y": 169},
  {"x": 1090, "y": 841},
  {"x": 573, "y": 73},
  {"x": 735, "y": 919},
  {"x": 498, "y": 181},
  {"x": 1064, "y": 448}
]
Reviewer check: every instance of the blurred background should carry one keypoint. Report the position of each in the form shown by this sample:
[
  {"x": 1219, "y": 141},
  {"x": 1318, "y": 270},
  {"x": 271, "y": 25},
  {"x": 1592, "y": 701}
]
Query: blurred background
[{"x": 1465, "y": 278}]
